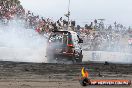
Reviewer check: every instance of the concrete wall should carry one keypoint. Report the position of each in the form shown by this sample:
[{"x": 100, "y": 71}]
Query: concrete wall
[{"x": 120, "y": 57}]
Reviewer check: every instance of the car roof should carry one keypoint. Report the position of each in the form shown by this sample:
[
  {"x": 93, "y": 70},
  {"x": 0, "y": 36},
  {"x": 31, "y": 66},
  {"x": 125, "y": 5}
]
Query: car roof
[{"x": 72, "y": 32}]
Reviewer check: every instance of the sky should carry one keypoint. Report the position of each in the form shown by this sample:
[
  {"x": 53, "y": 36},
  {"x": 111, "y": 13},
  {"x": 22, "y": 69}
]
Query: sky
[{"x": 83, "y": 11}]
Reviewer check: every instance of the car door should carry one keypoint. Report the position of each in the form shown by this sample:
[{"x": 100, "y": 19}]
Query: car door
[{"x": 76, "y": 45}]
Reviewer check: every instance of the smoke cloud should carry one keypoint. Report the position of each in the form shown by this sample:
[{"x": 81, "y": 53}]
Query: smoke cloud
[{"x": 20, "y": 44}]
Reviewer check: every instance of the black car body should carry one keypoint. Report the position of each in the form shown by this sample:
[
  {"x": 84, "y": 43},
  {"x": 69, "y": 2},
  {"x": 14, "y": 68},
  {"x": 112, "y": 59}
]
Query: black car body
[{"x": 64, "y": 44}]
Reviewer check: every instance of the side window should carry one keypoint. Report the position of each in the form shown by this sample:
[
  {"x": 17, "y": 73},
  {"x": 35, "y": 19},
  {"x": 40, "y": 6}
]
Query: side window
[{"x": 75, "y": 38}]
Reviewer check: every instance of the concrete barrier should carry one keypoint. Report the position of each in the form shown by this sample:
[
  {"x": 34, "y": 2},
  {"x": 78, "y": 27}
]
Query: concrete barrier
[{"x": 102, "y": 56}]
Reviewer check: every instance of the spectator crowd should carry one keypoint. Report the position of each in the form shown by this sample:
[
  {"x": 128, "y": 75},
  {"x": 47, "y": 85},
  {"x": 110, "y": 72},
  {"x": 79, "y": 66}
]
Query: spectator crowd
[
  {"x": 106, "y": 38},
  {"x": 10, "y": 9}
]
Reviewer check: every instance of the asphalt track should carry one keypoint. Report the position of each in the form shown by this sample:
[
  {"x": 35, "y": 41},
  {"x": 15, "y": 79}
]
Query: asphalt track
[{"x": 53, "y": 75}]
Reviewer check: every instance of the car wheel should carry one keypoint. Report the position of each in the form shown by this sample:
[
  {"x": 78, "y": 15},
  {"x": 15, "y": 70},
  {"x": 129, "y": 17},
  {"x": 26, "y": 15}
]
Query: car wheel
[
  {"x": 79, "y": 60},
  {"x": 73, "y": 59}
]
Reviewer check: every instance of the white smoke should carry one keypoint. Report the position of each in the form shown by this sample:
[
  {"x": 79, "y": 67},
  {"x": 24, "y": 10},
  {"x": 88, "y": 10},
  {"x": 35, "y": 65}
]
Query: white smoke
[{"x": 20, "y": 44}]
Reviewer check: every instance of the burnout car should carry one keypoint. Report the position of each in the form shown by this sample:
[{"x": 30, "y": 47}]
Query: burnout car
[{"x": 64, "y": 45}]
